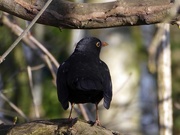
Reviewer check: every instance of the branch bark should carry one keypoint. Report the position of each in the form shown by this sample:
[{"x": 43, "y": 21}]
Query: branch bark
[
  {"x": 65, "y": 14},
  {"x": 56, "y": 127}
]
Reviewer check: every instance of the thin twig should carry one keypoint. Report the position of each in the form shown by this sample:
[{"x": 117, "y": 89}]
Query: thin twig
[
  {"x": 2, "y": 58},
  {"x": 30, "y": 41},
  {"x": 83, "y": 111},
  {"x": 124, "y": 84},
  {"x": 9, "y": 113},
  {"x": 19, "y": 111},
  {"x": 48, "y": 62},
  {"x": 43, "y": 49},
  {"x": 29, "y": 71},
  {"x": 38, "y": 67}
]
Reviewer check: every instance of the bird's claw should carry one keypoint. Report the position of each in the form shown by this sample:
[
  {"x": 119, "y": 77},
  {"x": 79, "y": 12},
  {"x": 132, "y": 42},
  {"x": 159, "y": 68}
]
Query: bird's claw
[{"x": 97, "y": 123}]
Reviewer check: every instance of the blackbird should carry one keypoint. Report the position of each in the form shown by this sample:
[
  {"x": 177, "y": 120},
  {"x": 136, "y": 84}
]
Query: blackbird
[{"x": 84, "y": 78}]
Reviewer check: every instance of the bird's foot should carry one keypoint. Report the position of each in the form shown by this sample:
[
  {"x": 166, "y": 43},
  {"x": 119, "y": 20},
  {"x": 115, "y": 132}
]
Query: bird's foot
[
  {"x": 70, "y": 118},
  {"x": 97, "y": 123},
  {"x": 71, "y": 121}
]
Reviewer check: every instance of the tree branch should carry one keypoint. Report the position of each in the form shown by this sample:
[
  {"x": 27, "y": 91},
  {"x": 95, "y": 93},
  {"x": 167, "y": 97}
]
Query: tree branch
[
  {"x": 56, "y": 127},
  {"x": 165, "y": 83},
  {"x": 29, "y": 40},
  {"x": 67, "y": 14}
]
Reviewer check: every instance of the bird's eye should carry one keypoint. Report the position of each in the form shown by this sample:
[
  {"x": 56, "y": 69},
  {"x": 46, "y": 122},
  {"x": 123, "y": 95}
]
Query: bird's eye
[{"x": 98, "y": 44}]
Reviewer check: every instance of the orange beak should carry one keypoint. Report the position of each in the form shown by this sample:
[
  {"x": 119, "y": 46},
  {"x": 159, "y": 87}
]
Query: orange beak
[{"x": 104, "y": 44}]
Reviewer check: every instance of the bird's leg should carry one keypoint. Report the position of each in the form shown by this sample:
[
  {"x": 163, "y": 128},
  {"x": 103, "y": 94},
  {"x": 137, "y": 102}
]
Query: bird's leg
[
  {"x": 97, "y": 117},
  {"x": 72, "y": 106}
]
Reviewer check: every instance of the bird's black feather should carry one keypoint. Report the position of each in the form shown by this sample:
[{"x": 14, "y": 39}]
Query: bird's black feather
[
  {"x": 83, "y": 77},
  {"x": 62, "y": 88}
]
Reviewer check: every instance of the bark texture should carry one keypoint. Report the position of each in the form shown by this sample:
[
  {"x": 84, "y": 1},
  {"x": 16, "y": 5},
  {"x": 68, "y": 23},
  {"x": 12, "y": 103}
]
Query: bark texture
[
  {"x": 56, "y": 127},
  {"x": 67, "y": 14}
]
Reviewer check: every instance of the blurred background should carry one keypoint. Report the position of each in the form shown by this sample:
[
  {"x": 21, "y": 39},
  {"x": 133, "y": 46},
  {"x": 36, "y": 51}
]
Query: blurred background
[{"x": 28, "y": 90}]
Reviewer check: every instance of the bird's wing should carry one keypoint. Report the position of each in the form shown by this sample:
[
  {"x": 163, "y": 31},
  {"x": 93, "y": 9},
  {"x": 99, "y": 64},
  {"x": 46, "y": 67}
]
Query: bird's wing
[
  {"x": 107, "y": 86},
  {"x": 62, "y": 89}
]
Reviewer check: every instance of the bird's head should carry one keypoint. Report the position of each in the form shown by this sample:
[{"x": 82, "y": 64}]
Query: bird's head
[{"x": 90, "y": 44}]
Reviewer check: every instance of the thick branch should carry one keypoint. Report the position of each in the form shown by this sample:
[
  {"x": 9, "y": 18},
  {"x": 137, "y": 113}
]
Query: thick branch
[
  {"x": 55, "y": 127},
  {"x": 66, "y": 14}
]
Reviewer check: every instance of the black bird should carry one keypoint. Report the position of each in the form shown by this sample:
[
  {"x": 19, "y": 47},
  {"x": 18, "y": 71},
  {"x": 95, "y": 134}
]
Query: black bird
[{"x": 84, "y": 78}]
